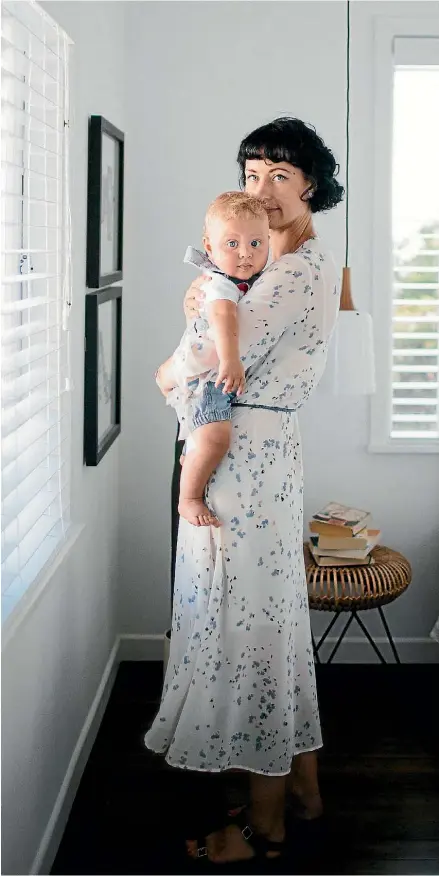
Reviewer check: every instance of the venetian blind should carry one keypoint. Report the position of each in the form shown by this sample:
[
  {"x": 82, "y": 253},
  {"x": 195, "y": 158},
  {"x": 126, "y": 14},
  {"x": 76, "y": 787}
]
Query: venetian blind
[
  {"x": 415, "y": 318},
  {"x": 35, "y": 298}
]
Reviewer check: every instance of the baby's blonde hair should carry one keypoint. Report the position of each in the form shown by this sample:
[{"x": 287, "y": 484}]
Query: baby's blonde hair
[{"x": 229, "y": 205}]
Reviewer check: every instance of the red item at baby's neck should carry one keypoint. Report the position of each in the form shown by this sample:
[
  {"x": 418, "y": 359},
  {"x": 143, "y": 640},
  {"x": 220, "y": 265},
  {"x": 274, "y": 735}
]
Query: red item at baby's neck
[{"x": 243, "y": 287}]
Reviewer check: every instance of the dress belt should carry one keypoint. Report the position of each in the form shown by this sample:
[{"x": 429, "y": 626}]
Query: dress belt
[{"x": 264, "y": 408}]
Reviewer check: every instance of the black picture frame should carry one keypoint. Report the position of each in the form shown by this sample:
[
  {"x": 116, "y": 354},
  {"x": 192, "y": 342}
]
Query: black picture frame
[
  {"x": 102, "y": 376},
  {"x": 105, "y": 187}
]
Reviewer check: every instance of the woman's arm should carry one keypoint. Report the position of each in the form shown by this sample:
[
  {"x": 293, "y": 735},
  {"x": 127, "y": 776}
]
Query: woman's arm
[{"x": 281, "y": 299}]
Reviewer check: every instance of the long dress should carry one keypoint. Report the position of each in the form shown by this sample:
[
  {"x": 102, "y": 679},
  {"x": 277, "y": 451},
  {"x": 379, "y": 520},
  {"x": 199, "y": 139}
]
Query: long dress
[{"x": 240, "y": 688}]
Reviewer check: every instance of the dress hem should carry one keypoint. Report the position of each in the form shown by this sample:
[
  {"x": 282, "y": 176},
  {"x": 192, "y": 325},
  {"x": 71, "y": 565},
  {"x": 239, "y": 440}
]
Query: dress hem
[{"x": 231, "y": 766}]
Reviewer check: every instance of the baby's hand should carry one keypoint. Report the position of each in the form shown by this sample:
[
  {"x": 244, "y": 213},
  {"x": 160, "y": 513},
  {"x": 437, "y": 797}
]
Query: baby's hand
[{"x": 232, "y": 374}]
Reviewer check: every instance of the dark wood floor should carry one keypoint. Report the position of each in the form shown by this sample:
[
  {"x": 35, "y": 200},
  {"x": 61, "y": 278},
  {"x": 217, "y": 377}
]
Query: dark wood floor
[{"x": 379, "y": 775}]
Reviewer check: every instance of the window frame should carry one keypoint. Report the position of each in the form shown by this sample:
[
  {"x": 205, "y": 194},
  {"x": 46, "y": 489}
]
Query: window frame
[
  {"x": 386, "y": 30},
  {"x": 16, "y": 605}
]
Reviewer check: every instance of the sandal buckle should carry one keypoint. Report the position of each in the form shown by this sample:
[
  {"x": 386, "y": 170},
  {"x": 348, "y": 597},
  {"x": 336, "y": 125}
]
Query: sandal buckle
[
  {"x": 202, "y": 852},
  {"x": 247, "y": 832}
]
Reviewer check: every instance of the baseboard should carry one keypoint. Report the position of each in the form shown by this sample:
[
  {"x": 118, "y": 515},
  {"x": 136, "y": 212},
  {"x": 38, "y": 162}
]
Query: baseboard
[
  {"x": 138, "y": 647},
  {"x": 126, "y": 647},
  {"x": 356, "y": 649},
  {"x": 58, "y": 820}
]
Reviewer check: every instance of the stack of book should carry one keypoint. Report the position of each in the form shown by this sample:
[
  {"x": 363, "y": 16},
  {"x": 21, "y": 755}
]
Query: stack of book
[{"x": 342, "y": 536}]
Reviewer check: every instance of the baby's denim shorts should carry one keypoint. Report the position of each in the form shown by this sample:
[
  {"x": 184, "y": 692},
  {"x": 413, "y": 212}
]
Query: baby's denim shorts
[{"x": 212, "y": 406}]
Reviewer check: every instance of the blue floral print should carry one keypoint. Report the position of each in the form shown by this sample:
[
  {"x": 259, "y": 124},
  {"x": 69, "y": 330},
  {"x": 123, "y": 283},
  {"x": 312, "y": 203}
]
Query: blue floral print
[{"x": 240, "y": 687}]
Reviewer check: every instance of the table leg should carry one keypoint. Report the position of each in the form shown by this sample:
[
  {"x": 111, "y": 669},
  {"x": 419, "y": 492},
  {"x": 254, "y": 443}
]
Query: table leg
[
  {"x": 389, "y": 635},
  {"x": 327, "y": 631},
  {"x": 368, "y": 637},
  {"x": 315, "y": 649},
  {"x": 340, "y": 638}
]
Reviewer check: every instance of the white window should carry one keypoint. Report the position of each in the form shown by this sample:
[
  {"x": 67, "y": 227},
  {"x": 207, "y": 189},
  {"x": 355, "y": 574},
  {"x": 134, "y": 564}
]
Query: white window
[
  {"x": 405, "y": 409},
  {"x": 35, "y": 298}
]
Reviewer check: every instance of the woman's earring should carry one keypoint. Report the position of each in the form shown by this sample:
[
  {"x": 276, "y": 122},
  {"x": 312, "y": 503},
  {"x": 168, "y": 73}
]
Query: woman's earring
[{"x": 308, "y": 194}]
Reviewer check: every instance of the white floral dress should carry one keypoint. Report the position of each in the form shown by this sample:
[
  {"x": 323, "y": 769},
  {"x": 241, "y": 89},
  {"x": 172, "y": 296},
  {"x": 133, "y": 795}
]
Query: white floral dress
[{"x": 240, "y": 687}]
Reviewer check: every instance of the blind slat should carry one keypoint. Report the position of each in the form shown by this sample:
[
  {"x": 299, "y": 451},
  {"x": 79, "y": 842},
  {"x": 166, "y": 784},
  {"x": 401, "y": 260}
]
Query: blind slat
[
  {"x": 28, "y": 278},
  {"x": 16, "y": 531},
  {"x": 21, "y": 115},
  {"x": 18, "y": 470},
  {"x": 23, "y": 142},
  {"x": 418, "y": 336},
  {"x": 19, "y": 499},
  {"x": 7, "y": 46},
  {"x": 33, "y": 172},
  {"x": 404, "y": 318},
  {"x": 35, "y": 431},
  {"x": 25, "y": 88},
  {"x": 17, "y": 584},
  {"x": 26, "y": 330},
  {"x": 407, "y": 351},
  {"x": 415, "y": 401},
  {"x": 414, "y": 418},
  {"x": 23, "y": 304},
  {"x": 29, "y": 407},
  {"x": 28, "y": 357},
  {"x": 415, "y": 385},
  {"x": 415, "y": 369},
  {"x": 48, "y": 509}
]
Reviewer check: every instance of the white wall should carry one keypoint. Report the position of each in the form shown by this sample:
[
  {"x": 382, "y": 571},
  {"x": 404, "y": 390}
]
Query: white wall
[
  {"x": 207, "y": 73},
  {"x": 53, "y": 664},
  {"x": 198, "y": 77},
  {"x": 401, "y": 490}
]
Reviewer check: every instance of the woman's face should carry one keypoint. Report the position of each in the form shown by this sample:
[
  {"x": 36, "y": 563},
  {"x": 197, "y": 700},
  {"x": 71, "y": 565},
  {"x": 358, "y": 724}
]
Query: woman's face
[{"x": 279, "y": 187}]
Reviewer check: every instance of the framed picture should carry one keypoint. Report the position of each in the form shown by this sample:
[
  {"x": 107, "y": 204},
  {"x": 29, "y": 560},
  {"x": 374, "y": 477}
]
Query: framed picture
[
  {"x": 103, "y": 335},
  {"x": 104, "y": 203}
]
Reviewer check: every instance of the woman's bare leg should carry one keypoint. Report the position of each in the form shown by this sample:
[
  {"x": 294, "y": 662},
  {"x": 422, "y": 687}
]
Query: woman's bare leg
[
  {"x": 267, "y": 807},
  {"x": 303, "y": 782},
  {"x": 266, "y": 818}
]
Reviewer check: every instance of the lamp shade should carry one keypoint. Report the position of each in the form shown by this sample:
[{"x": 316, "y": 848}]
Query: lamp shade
[{"x": 353, "y": 354}]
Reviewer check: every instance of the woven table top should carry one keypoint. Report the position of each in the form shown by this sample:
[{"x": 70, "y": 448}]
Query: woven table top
[{"x": 341, "y": 588}]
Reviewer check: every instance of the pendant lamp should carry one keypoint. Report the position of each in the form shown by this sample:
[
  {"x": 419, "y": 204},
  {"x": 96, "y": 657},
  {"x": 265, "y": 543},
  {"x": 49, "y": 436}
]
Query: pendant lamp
[{"x": 353, "y": 356}]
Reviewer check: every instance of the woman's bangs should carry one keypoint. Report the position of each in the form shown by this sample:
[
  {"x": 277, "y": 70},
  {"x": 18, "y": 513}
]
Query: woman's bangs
[{"x": 266, "y": 151}]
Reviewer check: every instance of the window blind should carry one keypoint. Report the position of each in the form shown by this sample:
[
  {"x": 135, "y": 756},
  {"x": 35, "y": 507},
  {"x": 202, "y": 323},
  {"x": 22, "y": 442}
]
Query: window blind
[
  {"x": 35, "y": 299},
  {"x": 415, "y": 317}
]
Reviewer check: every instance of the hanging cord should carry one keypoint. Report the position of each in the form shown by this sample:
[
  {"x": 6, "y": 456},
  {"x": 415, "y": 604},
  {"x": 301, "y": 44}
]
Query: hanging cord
[{"x": 348, "y": 57}]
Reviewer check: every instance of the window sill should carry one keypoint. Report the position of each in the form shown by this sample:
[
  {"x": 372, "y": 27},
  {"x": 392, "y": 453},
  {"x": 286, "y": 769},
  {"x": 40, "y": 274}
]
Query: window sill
[
  {"x": 18, "y": 611},
  {"x": 394, "y": 447}
]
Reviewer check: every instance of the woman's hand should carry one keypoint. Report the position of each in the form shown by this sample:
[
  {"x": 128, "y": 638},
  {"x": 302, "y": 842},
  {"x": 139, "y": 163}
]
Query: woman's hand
[{"x": 194, "y": 298}]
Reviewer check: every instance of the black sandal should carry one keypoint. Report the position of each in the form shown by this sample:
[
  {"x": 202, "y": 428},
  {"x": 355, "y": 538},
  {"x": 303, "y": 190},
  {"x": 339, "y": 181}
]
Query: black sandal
[{"x": 261, "y": 846}]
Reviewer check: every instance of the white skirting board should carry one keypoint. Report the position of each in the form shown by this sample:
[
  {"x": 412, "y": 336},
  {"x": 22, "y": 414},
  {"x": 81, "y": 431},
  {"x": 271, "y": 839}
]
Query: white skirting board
[
  {"x": 356, "y": 649},
  {"x": 126, "y": 647},
  {"x": 58, "y": 820},
  {"x": 152, "y": 648}
]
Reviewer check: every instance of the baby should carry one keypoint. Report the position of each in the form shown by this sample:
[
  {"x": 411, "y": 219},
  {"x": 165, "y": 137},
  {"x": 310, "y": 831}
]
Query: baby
[{"x": 206, "y": 367}]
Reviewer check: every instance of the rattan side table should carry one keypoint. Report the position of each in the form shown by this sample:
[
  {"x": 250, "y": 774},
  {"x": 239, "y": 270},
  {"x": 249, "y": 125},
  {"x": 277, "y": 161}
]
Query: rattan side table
[{"x": 356, "y": 588}]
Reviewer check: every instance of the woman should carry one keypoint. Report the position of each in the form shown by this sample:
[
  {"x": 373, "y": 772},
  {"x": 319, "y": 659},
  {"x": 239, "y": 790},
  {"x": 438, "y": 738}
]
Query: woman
[{"x": 240, "y": 687}]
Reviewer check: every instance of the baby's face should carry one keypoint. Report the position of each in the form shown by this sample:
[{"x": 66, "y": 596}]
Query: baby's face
[{"x": 239, "y": 247}]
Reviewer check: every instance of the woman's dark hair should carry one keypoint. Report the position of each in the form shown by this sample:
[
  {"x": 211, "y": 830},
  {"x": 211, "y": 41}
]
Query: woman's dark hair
[{"x": 288, "y": 139}]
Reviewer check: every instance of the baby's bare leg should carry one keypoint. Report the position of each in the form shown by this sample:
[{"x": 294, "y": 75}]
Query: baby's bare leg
[{"x": 212, "y": 442}]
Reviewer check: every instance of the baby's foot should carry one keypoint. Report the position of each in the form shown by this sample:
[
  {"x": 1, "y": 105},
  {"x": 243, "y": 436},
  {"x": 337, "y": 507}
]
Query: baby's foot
[{"x": 197, "y": 513}]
